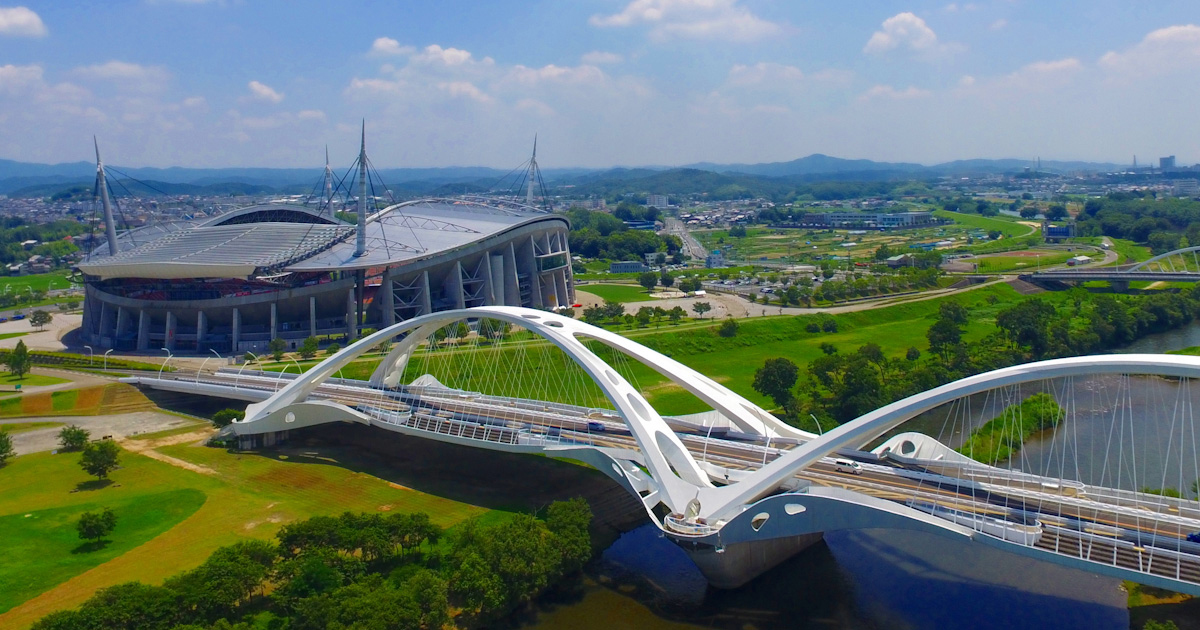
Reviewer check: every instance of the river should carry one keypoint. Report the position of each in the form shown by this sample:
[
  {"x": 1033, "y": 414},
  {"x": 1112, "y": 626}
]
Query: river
[{"x": 894, "y": 579}]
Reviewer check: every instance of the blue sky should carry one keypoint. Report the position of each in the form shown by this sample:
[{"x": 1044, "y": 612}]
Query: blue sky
[{"x": 621, "y": 82}]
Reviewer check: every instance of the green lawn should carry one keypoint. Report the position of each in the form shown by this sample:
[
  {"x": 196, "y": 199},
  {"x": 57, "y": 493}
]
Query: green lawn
[
  {"x": 622, "y": 293},
  {"x": 12, "y": 334},
  {"x": 1128, "y": 251},
  {"x": 43, "y": 549},
  {"x": 1010, "y": 228},
  {"x": 1001, "y": 264},
  {"x": 36, "y": 282},
  {"x": 21, "y": 427},
  {"x": 31, "y": 380}
]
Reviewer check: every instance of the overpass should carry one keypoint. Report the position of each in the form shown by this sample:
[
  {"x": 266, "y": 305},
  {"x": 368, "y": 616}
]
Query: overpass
[
  {"x": 736, "y": 488},
  {"x": 1181, "y": 265}
]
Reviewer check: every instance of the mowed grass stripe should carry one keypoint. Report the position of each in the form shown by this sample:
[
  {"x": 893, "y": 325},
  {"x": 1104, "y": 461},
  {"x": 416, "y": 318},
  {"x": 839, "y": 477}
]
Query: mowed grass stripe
[{"x": 250, "y": 497}]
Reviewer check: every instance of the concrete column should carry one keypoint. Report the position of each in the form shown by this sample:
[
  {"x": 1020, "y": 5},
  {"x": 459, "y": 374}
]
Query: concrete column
[
  {"x": 312, "y": 316},
  {"x": 143, "y": 342},
  {"x": 496, "y": 278},
  {"x": 485, "y": 270},
  {"x": 122, "y": 323},
  {"x": 456, "y": 285},
  {"x": 172, "y": 326},
  {"x": 235, "y": 332},
  {"x": 426, "y": 296},
  {"x": 107, "y": 323},
  {"x": 535, "y": 277},
  {"x": 387, "y": 301},
  {"x": 560, "y": 286},
  {"x": 351, "y": 311},
  {"x": 201, "y": 329},
  {"x": 512, "y": 290},
  {"x": 274, "y": 320}
]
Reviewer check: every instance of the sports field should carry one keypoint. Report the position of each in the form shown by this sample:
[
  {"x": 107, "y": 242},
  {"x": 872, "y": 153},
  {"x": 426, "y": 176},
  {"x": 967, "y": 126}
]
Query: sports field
[{"x": 622, "y": 293}]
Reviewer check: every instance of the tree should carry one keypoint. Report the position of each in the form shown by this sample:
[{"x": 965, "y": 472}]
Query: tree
[
  {"x": 277, "y": 346},
  {"x": 308, "y": 349},
  {"x": 675, "y": 314},
  {"x": 332, "y": 349},
  {"x": 72, "y": 438},
  {"x": 648, "y": 280},
  {"x": 665, "y": 279},
  {"x": 701, "y": 308},
  {"x": 40, "y": 319},
  {"x": 828, "y": 348},
  {"x": 1056, "y": 212},
  {"x": 100, "y": 458},
  {"x": 728, "y": 328},
  {"x": 913, "y": 354},
  {"x": 6, "y": 446},
  {"x": 1028, "y": 212},
  {"x": 94, "y": 526},
  {"x": 775, "y": 379},
  {"x": 18, "y": 360},
  {"x": 643, "y": 316},
  {"x": 225, "y": 417}
]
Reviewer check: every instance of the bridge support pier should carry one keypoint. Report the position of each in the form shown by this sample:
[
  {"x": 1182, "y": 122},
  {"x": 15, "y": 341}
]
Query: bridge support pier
[
  {"x": 738, "y": 563},
  {"x": 1119, "y": 285}
]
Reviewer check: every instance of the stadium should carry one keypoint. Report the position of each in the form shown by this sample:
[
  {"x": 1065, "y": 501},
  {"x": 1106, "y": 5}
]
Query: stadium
[{"x": 232, "y": 283}]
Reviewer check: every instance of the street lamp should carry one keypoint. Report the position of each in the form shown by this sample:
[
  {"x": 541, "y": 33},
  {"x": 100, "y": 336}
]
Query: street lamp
[
  {"x": 244, "y": 363},
  {"x": 205, "y": 362},
  {"x": 164, "y": 365},
  {"x": 89, "y": 349},
  {"x": 106, "y": 359}
]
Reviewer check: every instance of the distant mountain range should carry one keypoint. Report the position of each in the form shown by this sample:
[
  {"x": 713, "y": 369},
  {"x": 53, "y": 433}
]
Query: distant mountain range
[{"x": 34, "y": 180}]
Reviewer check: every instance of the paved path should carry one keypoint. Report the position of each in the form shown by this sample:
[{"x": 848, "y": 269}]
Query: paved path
[
  {"x": 119, "y": 426},
  {"x": 146, "y": 447}
]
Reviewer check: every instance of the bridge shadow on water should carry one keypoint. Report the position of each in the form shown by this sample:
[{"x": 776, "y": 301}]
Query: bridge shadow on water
[{"x": 865, "y": 579}]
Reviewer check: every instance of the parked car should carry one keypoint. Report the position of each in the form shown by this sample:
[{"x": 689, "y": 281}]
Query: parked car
[
  {"x": 1194, "y": 537},
  {"x": 596, "y": 426},
  {"x": 16, "y": 317}
]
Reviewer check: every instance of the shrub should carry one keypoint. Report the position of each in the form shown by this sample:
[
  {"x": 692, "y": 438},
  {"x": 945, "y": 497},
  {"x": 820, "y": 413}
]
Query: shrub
[{"x": 225, "y": 416}]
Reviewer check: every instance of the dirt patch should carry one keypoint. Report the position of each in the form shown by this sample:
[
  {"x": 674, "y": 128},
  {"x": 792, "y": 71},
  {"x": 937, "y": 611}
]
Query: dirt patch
[{"x": 146, "y": 447}]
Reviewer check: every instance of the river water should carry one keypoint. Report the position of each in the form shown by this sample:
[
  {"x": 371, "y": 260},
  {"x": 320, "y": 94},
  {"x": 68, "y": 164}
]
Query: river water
[{"x": 895, "y": 579}]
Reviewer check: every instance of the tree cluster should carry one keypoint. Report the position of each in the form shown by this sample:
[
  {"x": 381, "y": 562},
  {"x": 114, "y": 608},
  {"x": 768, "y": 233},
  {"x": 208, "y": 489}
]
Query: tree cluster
[
  {"x": 1163, "y": 224},
  {"x": 354, "y": 571},
  {"x": 840, "y": 386},
  {"x": 602, "y": 235}
]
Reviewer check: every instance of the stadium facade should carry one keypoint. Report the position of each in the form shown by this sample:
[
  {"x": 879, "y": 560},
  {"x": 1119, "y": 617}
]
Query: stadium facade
[{"x": 232, "y": 283}]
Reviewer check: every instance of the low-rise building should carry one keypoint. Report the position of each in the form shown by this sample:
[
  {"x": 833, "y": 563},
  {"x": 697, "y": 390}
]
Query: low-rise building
[{"x": 628, "y": 266}]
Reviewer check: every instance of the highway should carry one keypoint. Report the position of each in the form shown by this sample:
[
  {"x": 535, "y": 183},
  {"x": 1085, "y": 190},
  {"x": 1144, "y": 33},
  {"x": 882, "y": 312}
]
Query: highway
[
  {"x": 1144, "y": 534},
  {"x": 691, "y": 246}
]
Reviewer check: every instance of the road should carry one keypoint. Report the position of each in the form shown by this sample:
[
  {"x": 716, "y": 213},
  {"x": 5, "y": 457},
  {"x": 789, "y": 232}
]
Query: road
[{"x": 691, "y": 246}]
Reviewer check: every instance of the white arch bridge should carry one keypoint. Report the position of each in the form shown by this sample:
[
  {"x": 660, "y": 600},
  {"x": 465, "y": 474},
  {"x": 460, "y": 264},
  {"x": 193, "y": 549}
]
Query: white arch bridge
[{"x": 740, "y": 490}]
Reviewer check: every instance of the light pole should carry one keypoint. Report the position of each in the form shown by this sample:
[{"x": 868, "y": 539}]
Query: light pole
[
  {"x": 239, "y": 374},
  {"x": 106, "y": 359},
  {"x": 165, "y": 361},
  {"x": 819, "y": 431},
  {"x": 205, "y": 362},
  {"x": 89, "y": 349}
]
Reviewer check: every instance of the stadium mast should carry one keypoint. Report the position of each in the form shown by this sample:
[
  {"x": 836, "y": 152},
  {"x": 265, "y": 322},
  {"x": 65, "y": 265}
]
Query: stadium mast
[
  {"x": 328, "y": 179},
  {"x": 361, "y": 244},
  {"x": 110, "y": 225},
  {"x": 533, "y": 173}
]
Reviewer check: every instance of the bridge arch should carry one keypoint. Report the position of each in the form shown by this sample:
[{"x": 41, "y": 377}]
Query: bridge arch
[
  {"x": 726, "y": 501},
  {"x": 676, "y": 474},
  {"x": 1179, "y": 252}
]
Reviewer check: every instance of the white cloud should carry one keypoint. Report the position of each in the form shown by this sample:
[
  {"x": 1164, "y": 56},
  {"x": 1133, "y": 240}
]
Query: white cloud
[
  {"x": 889, "y": 92},
  {"x": 559, "y": 74},
  {"x": 465, "y": 89},
  {"x": 447, "y": 56},
  {"x": 263, "y": 92},
  {"x": 598, "y": 57},
  {"x": 903, "y": 30},
  {"x": 386, "y": 46},
  {"x": 124, "y": 71},
  {"x": 1161, "y": 51},
  {"x": 999, "y": 24},
  {"x": 21, "y": 22},
  {"x": 763, "y": 72},
  {"x": 692, "y": 19},
  {"x": 15, "y": 79}
]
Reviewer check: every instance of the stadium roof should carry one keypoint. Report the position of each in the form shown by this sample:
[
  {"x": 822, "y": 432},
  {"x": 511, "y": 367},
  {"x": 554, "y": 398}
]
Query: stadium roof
[{"x": 219, "y": 249}]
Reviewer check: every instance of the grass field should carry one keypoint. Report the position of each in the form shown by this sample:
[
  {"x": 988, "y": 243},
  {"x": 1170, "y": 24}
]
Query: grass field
[
  {"x": 540, "y": 371},
  {"x": 169, "y": 519},
  {"x": 1001, "y": 263},
  {"x": 622, "y": 293},
  {"x": 36, "y": 282},
  {"x": 12, "y": 335},
  {"x": 1128, "y": 251},
  {"x": 31, "y": 380},
  {"x": 1009, "y": 227},
  {"x": 21, "y": 427}
]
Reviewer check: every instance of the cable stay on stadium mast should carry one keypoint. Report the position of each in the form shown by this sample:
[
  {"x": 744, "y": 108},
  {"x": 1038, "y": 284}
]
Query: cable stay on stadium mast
[
  {"x": 525, "y": 178},
  {"x": 105, "y": 201}
]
